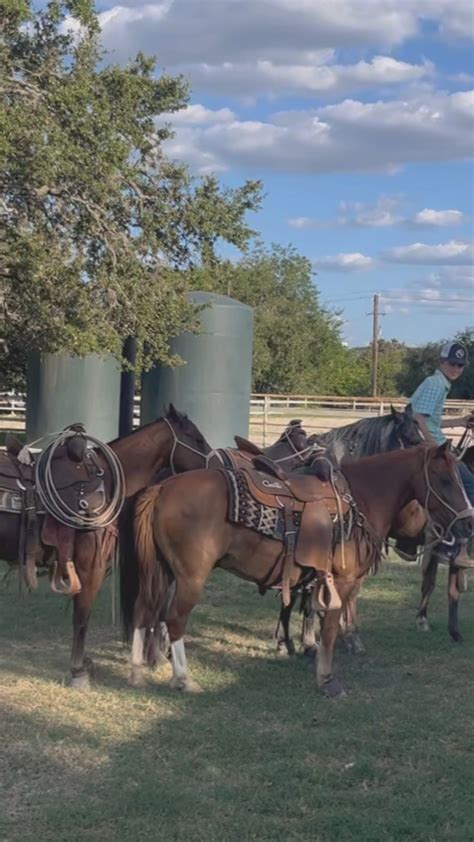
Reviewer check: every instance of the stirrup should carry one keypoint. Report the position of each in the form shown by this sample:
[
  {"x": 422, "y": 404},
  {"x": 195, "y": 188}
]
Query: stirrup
[
  {"x": 70, "y": 586},
  {"x": 326, "y": 597}
]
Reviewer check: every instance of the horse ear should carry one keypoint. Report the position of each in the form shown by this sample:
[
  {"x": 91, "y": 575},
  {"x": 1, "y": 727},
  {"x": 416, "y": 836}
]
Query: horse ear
[
  {"x": 173, "y": 413},
  {"x": 409, "y": 411},
  {"x": 396, "y": 415}
]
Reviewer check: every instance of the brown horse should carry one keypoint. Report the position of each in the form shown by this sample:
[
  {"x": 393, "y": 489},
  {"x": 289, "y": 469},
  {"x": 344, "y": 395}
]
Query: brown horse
[
  {"x": 172, "y": 440},
  {"x": 183, "y": 531}
]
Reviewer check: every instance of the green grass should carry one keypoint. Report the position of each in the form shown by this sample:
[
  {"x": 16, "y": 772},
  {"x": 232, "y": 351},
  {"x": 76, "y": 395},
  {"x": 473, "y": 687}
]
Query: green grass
[{"x": 259, "y": 755}]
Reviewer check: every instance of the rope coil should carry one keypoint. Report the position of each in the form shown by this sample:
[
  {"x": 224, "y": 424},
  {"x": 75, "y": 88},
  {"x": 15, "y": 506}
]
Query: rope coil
[{"x": 55, "y": 506}]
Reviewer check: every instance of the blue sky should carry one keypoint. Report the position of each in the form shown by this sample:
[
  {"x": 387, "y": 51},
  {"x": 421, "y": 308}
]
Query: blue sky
[{"x": 358, "y": 117}]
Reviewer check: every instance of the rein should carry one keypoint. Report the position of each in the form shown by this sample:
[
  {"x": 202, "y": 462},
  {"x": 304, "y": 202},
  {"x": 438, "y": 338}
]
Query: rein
[{"x": 438, "y": 531}]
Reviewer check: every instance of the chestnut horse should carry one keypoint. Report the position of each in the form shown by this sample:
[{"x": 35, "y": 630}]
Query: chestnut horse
[
  {"x": 182, "y": 532},
  {"x": 170, "y": 441}
]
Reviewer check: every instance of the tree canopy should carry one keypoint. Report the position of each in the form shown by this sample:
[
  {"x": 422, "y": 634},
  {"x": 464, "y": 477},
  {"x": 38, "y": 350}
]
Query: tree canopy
[
  {"x": 297, "y": 342},
  {"x": 96, "y": 219}
]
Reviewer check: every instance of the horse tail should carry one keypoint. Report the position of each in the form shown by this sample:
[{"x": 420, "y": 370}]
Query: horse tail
[
  {"x": 129, "y": 584},
  {"x": 154, "y": 572}
]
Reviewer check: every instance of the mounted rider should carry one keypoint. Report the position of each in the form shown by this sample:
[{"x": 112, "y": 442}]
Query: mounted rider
[{"x": 428, "y": 402}]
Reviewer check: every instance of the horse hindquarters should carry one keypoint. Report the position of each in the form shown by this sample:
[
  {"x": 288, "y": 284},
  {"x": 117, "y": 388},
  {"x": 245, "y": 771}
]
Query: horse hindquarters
[{"x": 180, "y": 533}]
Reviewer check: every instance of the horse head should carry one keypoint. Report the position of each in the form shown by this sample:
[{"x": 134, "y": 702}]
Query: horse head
[
  {"x": 406, "y": 427},
  {"x": 444, "y": 495},
  {"x": 295, "y": 435},
  {"x": 190, "y": 449}
]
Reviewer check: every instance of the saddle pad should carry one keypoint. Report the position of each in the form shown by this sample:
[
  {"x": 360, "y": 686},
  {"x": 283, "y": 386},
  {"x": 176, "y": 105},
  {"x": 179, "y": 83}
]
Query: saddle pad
[{"x": 246, "y": 511}]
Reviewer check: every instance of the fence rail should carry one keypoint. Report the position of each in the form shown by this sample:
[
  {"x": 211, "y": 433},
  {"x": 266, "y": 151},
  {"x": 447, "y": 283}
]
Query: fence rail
[{"x": 269, "y": 414}]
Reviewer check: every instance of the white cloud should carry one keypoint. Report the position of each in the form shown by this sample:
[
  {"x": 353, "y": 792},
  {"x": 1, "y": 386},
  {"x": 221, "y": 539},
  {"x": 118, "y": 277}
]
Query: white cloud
[
  {"x": 303, "y": 222},
  {"x": 384, "y": 213},
  {"x": 318, "y": 76},
  {"x": 449, "y": 290},
  {"x": 453, "y": 253},
  {"x": 344, "y": 262},
  {"x": 351, "y": 135},
  {"x": 186, "y": 32},
  {"x": 438, "y": 218}
]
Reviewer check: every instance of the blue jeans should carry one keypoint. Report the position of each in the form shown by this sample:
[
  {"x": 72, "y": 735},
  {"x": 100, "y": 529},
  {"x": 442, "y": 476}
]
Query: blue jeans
[{"x": 468, "y": 481}]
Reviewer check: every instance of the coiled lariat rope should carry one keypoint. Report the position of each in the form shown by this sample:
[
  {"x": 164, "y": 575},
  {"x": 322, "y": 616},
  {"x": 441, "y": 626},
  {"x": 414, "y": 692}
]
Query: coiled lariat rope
[{"x": 55, "y": 506}]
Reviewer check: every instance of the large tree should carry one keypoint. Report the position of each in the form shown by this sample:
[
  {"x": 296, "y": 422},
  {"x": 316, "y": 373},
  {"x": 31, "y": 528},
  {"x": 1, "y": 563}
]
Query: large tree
[
  {"x": 97, "y": 222},
  {"x": 297, "y": 343}
]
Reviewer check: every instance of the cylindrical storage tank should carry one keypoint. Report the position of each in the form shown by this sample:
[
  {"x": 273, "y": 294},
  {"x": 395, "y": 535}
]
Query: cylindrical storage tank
[
  {"x": 63, "y": 390},
  {"x": 213, "y": 386}
]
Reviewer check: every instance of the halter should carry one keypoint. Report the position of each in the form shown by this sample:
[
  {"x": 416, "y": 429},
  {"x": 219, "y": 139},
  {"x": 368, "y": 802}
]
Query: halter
[
  {"x": 439, "y": 532},
  {"x": 206, "y": 457},
  {"x": 300, "y": 454}
]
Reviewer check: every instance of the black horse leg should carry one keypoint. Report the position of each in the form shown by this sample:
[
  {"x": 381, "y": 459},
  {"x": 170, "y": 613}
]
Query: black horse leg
[
  {"x": 308, "y": 630},
  {"x": 285, "y": 641},
  {"x": 91, "y": 571},
  {"x": 428, "y": 582},
  {"x": 453, "y": 603}
]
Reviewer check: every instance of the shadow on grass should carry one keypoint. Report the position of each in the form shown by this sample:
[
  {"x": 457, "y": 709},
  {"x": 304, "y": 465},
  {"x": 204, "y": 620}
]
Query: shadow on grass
[{"x": 260, "y": 754}]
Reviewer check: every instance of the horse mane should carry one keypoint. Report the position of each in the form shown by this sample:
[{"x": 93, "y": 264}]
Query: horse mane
[{"x": 368, "y": 436}]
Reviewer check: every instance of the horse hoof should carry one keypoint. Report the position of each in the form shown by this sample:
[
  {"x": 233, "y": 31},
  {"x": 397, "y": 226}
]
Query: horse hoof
[
  {"x": 310, "y": 653},
  {"x": 358, "y": 647},
  {"x": 456, "y": 637},
  {"x": 80, "y": 682},
  {"x": 136, "y": 677},
  {"x": 185, "y": 685},
  {"x": 285, "y": 648},
  {"x": 422, "y": 624},
  {"x": 333, "y": 689}
]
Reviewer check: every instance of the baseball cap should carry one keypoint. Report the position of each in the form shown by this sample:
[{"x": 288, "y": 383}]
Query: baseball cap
[{"x": 454, "y": 352}]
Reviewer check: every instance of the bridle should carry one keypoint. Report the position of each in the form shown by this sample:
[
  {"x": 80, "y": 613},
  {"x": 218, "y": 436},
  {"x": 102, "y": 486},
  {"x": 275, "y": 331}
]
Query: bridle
[
  {"x": 439, "y": 531},
  {"x": 302, "y": 455},
  {"x": 206, "y": 457}
]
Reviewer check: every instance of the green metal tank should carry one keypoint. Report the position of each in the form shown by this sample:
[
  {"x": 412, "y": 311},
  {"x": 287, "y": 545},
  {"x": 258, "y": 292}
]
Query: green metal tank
[
  {"x": 62, "y": 390},
  {"x": 213, "y": 387}
]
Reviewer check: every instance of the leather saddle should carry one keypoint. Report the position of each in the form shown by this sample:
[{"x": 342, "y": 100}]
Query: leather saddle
[
  {"x": 306, "y": 505},
  {"x": 77, "y": 478}
]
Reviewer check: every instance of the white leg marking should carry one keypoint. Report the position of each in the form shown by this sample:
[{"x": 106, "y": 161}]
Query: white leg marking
[
  {"x": 137, "y": 678},
  {"x": 181, "y": 679}
]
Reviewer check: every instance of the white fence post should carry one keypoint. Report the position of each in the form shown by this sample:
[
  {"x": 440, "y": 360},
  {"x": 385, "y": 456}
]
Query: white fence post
[{"x": 266, "y": 406}]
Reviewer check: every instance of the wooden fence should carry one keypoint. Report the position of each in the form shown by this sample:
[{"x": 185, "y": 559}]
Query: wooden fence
[{"x": 269, "y": 414}]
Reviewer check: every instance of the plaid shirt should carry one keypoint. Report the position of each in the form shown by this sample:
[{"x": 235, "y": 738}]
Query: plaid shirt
[{"x": 428, "y": 399}]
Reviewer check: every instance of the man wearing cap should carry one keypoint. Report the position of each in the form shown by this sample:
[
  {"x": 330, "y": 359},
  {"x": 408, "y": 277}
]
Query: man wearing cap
[{"x": 428, "y": 404}]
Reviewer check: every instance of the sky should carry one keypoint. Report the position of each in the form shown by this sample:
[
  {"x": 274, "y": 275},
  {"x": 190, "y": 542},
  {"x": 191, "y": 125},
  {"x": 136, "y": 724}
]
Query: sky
[{"x": 358, "y": 117}]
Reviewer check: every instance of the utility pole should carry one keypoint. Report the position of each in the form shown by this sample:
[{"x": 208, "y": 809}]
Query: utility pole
[{"x": 375, "y": 345}]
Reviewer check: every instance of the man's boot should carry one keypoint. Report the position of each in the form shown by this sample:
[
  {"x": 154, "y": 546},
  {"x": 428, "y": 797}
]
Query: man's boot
[{"x": 456, "y": 554}]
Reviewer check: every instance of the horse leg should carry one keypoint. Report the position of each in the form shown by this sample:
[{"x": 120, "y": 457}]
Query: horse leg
[
  {"x": 187, "y": 595},
  {"x": 91, "y": 571},
  {"x": 430, "y": 569},
  {"x": 350, "y": 632},
  {"x": 329, "y": 685},
  {"x": 453, "y": 603},
  {"x": 308, "y": 629},
  {"x": 284, "y": 621}
]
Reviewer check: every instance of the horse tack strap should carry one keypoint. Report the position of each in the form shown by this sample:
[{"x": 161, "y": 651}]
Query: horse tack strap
[{"x": 65, "y": 579}]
